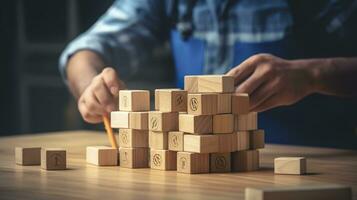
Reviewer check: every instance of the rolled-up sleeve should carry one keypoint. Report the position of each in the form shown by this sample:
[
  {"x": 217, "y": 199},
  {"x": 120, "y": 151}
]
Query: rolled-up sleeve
[{"x": 123, "y": 35}]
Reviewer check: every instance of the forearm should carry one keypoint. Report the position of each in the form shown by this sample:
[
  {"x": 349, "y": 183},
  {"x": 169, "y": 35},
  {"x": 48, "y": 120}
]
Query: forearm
[{"x": 82, "y": 67}]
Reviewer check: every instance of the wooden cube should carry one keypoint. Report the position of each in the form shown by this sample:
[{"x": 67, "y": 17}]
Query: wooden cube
[
  {"x": 256, "y": 139},
  {"x": 53, "y": 159},
  {"x": 223, "y": 123},
  {"x": 202, "y": 104},
  {"x": 226, "y": 143},
  {"x": 192, "y": 163},
  {"x": 158, "y": 140},
  {"x": 247, "y": 160},
  {"x": 163, "y": 159},
  {"x": 290, "y": 165},
  {"x": 201, "y": 143},
  {"x": 133, "y": 138},
  {"x": 305, "y": 192},
  {"x": 134, "y": 100},
  {"x": 139, "y": 120},
  {"x": 246, "y": 122},
  {"x": 243, "y": 140},
  {"x": 173, "y": 100},
  {"x": 224, "y": 103},
  {"x": 163, "y": 121},
  {"x": 240, "y": 103},
  {"x": 157, "y": 96},
  {"x": 120, "y": 119},
  {"x": 102, "y": 155},
  {"x": 216, "y": 83},
  {"x": 134, "y": 157},
  {"x": 220, "y": 162},
  {"x": 191, "y": 84},
  {"x": 196, "y": 124},
  {"x": 28, "y": 155},
  {"x": 175, "y": 141}
]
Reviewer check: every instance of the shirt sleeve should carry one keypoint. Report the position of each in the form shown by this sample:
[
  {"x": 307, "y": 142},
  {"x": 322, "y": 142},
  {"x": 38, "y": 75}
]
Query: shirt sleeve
[{"x": 123, "y": 36}]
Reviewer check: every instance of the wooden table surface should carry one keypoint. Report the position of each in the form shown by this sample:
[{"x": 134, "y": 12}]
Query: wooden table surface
[{"x": 84, "y": 181}]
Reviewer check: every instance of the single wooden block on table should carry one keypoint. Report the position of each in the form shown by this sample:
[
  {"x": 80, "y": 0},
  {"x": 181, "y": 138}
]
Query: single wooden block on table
[
  {"x": 305, "y": 192},
  {"x": 191, "y": 84},
  {"x": 202, "y": 104},
  {"x": 163, "y": 121},
  {"x": 247, "y": 160},
  {"x": 28, "y": 155},
  {"x": 192, "y": 163},
  {"x": 158, "y": 140},
  {"x": 196, "y": 124},
  {"x": 175, "y": 140},
  {"x": 134, "y": 100},
  {"x": 290, "y": 165},
  {"x": 133, "y": 138},
  {"x": 223, "y": 123},
  {"x": 201, "y": 143},
  {"x": 256, "y": 139},
  {"x": 224, "y": 103},
  {"x": 240, "y": 103},
  {"x": 243, "y": 140},
  {"x": 139, "y": 120},
  {"x": 246, "y": 122},
  {"x": 173, "y": 100},
  {"x": 216, "y": 83},
  {"x": 157, "y": 96},
  {"x": 220, "y": 162},
  {"x": 134, "y": 157},
  {"x": 163, "y": 159},
  {"x": 102, "y": 155},
  {"x": 120, "y": 119},
  {"x": 227, "y": 143},
  {"x": 53, "y": 159}
]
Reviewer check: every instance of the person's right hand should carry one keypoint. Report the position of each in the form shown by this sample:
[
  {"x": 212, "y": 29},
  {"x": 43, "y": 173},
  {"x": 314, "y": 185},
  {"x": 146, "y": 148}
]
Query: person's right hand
[{"x": 100, "y": 96}]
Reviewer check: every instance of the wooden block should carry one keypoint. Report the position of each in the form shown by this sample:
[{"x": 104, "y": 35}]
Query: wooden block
[
  {"x": 157, "y": 96},
  {"x": 196, "y": 124},
  {"x": 223, "y": 123},
  {"x": 220, "y": 162},
  {"x": 202, "y": 104},
  {"x": 192, "y": 163},
  {"x": 216, "y": 83},
  {"x": 102, "y": 155},
  {"x": 133, "y": 138},
  {"x": 28, "y": 155},
  {"x": 134, "y": 157},
  {"x": 305, "y": 192},
  {"x": 175, "y": 141},
  {"x": 226, "y": 143},
  {"x": 240, "y": 103},
  {"x": 243, "y": 140},
  {"x": 290, "y": 165},
  {"x": 119, "y": 119},
  {"x": 173, "y": 100},
  {"x": 224, "y": 103},
  {"x": 163, "y": 121},
  {"x": 247, "y": 160},
  {"x": 256, "y": 139},
  {"x": 201, "y": 143},
  {"x": 158, "y": 140},
  {"x": 139, "y": 120},
  {"x": 53, "y": 159},
  {"x": 134, "y": 100},
  {"x": 163, "y": 159},
  {"x": 246, "y": 122},
  {"x": 191, "y": 84}
]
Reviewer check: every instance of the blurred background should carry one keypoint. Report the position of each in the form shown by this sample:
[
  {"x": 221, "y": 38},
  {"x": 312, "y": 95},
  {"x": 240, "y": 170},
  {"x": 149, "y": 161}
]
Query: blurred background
[{"x": 34, "y": 98}]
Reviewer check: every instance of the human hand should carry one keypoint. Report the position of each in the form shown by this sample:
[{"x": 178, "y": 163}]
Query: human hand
[
  {"x": 100, "y": 96},
  {"x": 271, "y": 81}
]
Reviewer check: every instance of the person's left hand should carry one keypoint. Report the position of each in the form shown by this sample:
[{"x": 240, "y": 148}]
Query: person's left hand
[{"x": 271, "y": 81}]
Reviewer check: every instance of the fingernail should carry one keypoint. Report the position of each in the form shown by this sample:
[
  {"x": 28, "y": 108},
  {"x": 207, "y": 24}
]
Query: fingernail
[{"x": 114, "y": 90}]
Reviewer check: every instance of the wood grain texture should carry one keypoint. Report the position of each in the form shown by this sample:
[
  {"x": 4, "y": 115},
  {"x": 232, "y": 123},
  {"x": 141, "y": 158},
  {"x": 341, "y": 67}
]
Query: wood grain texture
[
  {"x": 175, "y": 141},
  {"x": 139, "y": 120},
  {"x": 216, "y": 83},
  {"x": 201, "y": 143},
  {"x": 163, "y": 121},
  {"x": 240, "y": 104},
  {"x": 246, "y": 122},
  {"x": 202, "y": 104},
  {"x": 134, "y": 100},
  {"x": 223, "y": 123},
  {"x": 28, "y": 155},
  {"x": 120, "y": 119},
  {"x": 134, "y": 157},
  {"x": 195, "y": 124},
  {"x": 191, "y": 84},
  {"x": 220, "y": 162},
  {"x": 224, "y": 103},
  {"x": 53, "y": 158},
  {"x": 82, "y": 181},
  {"x": 244, "y": 161},
  {"x": 290, "y": 165},
  {"x": 163, "y": 159},
  {"x": 102, "y": 156},
  {"x": 192, "y": 163},
  {"x": 157, "y": 96},
  {"x": 158, "y": 140},
  {"x": 133, "y": 138},
  {"x": 173, "y": 100},
  {"x": 257, "y": 139}
]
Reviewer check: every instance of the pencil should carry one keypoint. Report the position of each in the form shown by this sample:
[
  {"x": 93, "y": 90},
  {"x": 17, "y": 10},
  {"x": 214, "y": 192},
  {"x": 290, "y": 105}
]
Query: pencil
[{"x": 110, "y": 133}]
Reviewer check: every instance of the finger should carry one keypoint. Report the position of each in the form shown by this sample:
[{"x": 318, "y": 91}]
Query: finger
[
  {"x": 250, "y": 84},
  {"x": 111, "y": 80},
  {"x": 271, "y": 102},
  {"x": 87, "y": 115},
  {"x": 93, "y": 105},
  {"x": 102, "y": 93},
  {"x": 263, "y": 92}
]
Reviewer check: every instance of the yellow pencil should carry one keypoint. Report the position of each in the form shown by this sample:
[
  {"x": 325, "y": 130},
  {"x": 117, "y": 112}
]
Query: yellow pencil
[{"x": 110, "y": 133}]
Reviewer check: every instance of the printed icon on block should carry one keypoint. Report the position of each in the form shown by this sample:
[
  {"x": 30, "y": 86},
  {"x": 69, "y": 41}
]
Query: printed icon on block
[
  {"x": 192, "y": 163},
  {"x": 133, "y": 157},
  {"x": 133, "y": 138},
  {"x": 175, "y": 141},
  {"x": 163, "y": 121},
  {"x": 220, "y": 162},
  {"x": 163, "y": 159},
  {"x": 53, "y": 159},
  {"x": 202, "y": 104},
  {"x": 172, "y": 100},
  {"x": 134, "y": 100}
]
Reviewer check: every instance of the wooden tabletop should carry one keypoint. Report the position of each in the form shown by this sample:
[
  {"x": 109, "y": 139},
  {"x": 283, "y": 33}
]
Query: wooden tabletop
[{"x": 84, "y": 181}]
